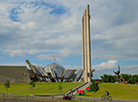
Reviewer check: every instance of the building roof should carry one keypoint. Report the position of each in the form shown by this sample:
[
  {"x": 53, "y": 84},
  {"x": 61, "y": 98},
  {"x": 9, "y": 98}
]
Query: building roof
[{"x": 54, "y": 66}]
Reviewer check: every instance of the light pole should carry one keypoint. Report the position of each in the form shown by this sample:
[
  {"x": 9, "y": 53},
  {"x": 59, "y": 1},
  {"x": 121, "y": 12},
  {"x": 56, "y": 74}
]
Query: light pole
[{"x": 23, "y": 74}]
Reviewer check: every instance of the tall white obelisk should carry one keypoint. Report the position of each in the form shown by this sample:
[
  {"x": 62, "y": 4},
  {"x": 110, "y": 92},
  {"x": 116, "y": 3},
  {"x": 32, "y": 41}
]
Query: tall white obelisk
[{"x": 86, "y": 48}]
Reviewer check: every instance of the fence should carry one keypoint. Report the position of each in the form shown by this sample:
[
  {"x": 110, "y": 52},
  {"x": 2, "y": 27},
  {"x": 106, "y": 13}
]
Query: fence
[{"x": 42, "y": 98}]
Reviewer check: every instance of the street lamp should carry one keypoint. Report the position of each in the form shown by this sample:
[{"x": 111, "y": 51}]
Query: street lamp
[{"x": 23, "y": 74}]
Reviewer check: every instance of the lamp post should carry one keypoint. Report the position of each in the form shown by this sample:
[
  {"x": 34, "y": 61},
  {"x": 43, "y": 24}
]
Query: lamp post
[{"x": 23, "y": 74}]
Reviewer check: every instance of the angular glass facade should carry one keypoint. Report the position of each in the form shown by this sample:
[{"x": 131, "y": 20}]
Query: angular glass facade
[{"x": 52, "y": 73}]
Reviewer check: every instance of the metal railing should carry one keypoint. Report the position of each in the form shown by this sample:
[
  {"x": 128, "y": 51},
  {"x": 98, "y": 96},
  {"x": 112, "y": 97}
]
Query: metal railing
[{"x": 41, "y": 98}]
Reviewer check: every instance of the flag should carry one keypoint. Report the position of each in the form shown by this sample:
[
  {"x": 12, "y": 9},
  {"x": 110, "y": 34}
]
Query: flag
[{"x": 54, "y": 59}]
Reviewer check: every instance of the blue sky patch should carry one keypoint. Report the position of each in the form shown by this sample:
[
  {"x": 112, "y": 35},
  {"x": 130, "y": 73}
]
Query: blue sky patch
[
  {"x": 56, "y": 9},
  {"x": 13, "y": 15}
]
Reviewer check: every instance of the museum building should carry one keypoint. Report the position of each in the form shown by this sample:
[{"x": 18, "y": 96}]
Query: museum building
[{"x": 51, "y": 73}]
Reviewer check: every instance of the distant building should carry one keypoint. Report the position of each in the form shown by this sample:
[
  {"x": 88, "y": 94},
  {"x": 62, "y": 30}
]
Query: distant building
[
  {"x": 14, "y": 74},
  {"x": 53, "y": 73}
]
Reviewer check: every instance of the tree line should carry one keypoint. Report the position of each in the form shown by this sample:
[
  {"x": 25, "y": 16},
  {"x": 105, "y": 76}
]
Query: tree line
[{"x": 132, "y": 79}]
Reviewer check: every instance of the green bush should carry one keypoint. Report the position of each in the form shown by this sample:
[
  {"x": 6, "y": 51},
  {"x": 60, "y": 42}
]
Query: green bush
[{"x": 132, "y": 79}]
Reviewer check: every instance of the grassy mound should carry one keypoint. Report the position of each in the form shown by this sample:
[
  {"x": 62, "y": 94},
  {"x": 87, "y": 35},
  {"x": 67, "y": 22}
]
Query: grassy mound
[{"x": 117, "y": 91}]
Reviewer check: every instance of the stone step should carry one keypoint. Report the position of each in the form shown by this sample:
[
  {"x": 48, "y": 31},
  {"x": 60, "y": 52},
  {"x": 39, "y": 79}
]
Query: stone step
[{"x": 81, "y": 87}]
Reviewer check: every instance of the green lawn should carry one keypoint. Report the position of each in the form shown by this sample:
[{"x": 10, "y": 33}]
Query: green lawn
[
  {"x": 117, "y": 91},
  {"x": 40, "y": 88}
]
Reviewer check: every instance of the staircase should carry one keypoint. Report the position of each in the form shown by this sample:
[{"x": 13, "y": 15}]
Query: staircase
[
  {"x": 81, "y": 87},
  {"x": 84, "y": 87}
]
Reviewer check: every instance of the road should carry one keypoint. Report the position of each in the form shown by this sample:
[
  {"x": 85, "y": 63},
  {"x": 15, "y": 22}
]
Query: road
[
  {"x": 99, "y": 99},
  {"x": 52, "y": 99}
]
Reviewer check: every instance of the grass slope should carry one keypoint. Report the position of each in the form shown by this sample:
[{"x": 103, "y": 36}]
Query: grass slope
[
  {"x": 117, "y": 91},
  {"x": 40, "y": 88}
]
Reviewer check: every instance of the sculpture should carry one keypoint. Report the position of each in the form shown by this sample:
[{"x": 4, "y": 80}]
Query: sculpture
[
  {"x": 117, "y": 73},
  {"x": 121, "y": 78}
]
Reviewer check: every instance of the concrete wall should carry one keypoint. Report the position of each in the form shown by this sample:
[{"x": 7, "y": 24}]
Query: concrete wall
[{"x": 14, "y": 74}]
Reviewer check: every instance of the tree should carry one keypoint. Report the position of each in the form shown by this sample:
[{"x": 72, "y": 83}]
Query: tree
[
  {"x": 125, "y": 76},
  {"x": 108, "y": 78},
  {"x": 132, "y": 79},
  {"x": 7, "y": 85},
  {"x": 60, "y": 87},
  {"x": 104, "y": 78},
  {"x": 135, "y": 78},
  {"x": 94, "y": 86},
  {"x": 32, "y": 85}
]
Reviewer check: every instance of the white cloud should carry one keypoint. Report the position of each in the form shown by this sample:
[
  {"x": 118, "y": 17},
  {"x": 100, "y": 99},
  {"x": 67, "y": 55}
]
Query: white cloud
[
  {"x": 14, "y": 64},
  {"x": 113, "y": 29},
  {"x": 73, "y": 67},
  {"x": 110, "y": 66},
  {"x": 105, "y": 65},
  {"x": 58, "y": 57},
  {"x": 131, "y": 69}
]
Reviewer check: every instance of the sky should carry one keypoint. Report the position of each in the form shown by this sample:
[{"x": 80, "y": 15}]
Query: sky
[{"x": 41, "y": 30}]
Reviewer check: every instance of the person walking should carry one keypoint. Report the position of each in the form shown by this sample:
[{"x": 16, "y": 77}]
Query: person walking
[{"x": 71, "y": 92}]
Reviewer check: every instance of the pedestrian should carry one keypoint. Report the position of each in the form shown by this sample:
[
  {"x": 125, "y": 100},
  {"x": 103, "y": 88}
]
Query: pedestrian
[{"x": 71, "y": 92}]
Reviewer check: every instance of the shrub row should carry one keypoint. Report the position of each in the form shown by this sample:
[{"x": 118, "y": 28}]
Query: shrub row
[{"x": 132, "y": 79}]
